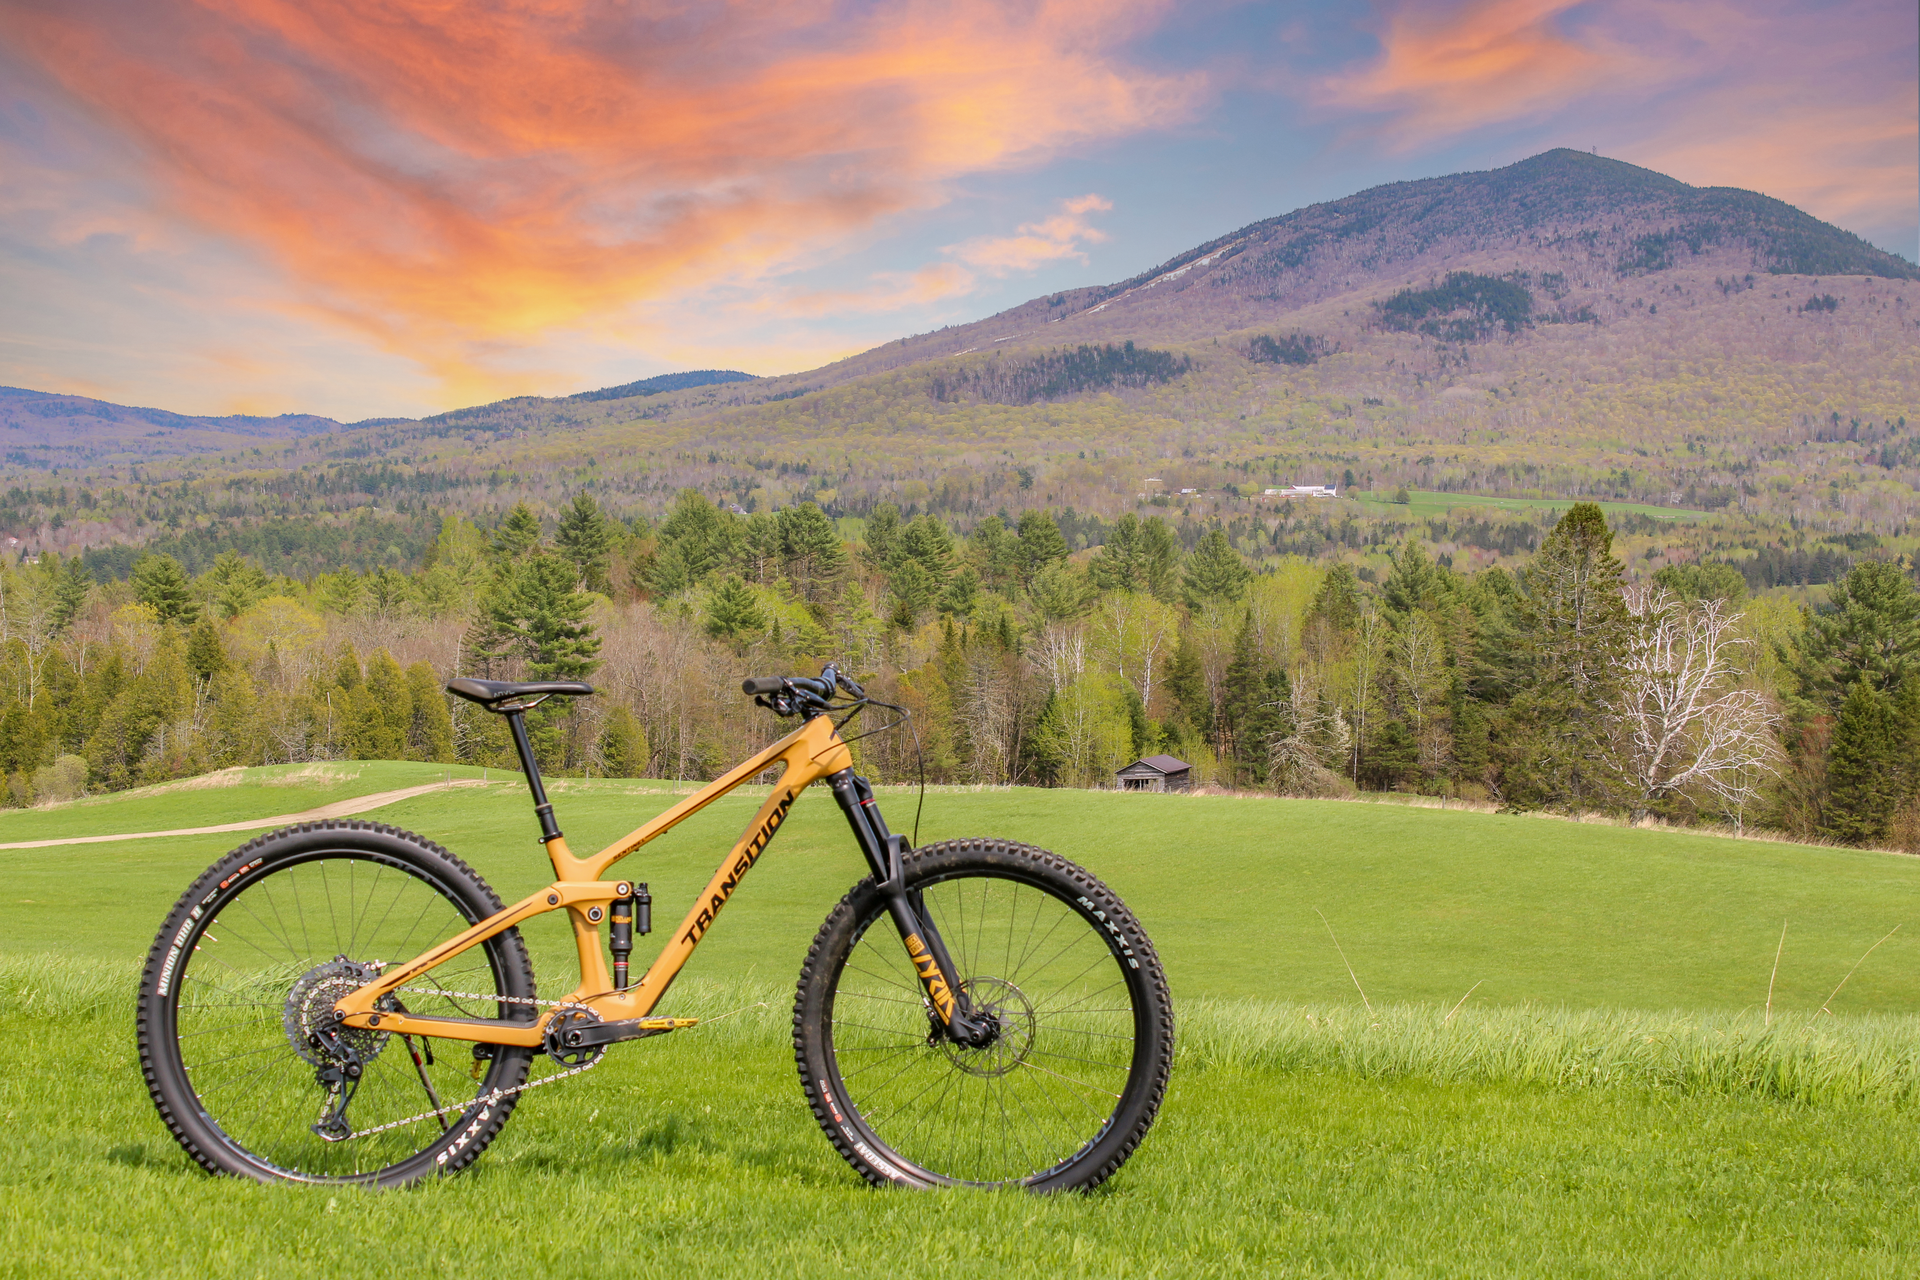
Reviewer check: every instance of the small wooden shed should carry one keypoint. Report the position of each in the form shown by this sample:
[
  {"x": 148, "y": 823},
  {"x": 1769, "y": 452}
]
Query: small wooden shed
[{"x": 1157, "y": 773}]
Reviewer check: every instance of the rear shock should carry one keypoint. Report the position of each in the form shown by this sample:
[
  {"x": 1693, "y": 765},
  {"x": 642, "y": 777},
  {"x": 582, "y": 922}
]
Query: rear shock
[{"x": 630, "y": 915}]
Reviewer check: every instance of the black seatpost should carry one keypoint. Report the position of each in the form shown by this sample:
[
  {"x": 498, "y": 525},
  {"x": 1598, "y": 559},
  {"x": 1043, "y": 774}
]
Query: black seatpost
[{"x": 541, "y": 808}]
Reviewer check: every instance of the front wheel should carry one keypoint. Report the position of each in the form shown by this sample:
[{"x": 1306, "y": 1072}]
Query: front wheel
[{"x": 1084, "y": 1028}]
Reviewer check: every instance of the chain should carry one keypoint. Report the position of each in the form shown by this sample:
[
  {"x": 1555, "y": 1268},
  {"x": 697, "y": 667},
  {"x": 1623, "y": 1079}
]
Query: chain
[{"x": 496, "y": 1095}]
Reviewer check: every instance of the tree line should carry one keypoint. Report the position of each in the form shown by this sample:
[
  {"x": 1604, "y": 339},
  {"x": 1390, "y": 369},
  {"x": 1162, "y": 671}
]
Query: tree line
[{"x": 1560, "y": 685}]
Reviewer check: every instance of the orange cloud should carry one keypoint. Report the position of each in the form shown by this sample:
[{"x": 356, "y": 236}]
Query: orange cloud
[
  {"x": 455, "y": 179},
  {"x": 1813, "y": 104},
  {"x": 1443, "y": 71},
  {"x": 1038, "y": 243}
]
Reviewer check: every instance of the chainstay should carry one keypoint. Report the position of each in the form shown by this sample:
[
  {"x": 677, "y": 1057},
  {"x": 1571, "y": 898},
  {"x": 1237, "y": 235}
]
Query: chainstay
[
  {"x": 485, "y": 1099},
  {"x": 496, "y": 1095}
]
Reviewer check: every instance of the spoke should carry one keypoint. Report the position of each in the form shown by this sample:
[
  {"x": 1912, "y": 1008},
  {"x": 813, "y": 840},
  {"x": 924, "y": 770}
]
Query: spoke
[{"x": 1092, "y": 1088}]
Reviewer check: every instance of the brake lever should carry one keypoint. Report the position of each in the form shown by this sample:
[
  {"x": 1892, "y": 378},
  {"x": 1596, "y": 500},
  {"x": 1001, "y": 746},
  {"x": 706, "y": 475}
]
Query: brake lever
[{"x": 781, "y": 705}]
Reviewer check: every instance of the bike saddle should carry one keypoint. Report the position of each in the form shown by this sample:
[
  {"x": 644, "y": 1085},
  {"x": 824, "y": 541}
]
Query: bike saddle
[{"x": 504, "y": 696}]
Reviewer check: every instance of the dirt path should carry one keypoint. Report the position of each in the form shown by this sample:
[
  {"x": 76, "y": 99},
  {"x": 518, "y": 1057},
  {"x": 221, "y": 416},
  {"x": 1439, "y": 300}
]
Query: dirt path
[{"x": 338, "y": 809}]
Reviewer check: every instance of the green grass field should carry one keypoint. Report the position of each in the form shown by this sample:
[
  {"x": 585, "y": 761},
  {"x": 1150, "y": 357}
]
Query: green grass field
[
  {"x": 1428, "y": 503},
  {"x": 1609, "y": 1101}
]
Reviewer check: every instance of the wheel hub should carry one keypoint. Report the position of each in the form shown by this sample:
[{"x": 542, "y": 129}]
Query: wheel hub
[
  {"x": 310, "y": 1004},
  {"x": 1004, "y": 1007}
]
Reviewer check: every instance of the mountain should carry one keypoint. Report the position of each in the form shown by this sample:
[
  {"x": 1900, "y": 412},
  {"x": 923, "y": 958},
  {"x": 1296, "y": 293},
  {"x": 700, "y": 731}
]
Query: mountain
[
  {"x": 1564, "y": 326},
  {"x": 63, "y": 429},
  {"x": 1579, "y": 222}
]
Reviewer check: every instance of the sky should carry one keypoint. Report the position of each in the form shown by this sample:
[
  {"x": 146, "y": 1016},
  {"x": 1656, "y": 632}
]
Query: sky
[{"x": 384, "y": 208}]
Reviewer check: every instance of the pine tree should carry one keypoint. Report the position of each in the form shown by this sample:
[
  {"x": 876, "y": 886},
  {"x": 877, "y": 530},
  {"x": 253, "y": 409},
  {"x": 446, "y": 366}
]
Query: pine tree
[
  {"x": 1868, "y": 630},
  {"x": 914, "y": 590},
  {"x": 585, "y": 540},
  {"x": 346, "y": 667},
  {"x": 697, "y": 540},
  {"x": 389, "y": 709},
  {"x": 1255, "y": 707},
  {"x": 1137, "y": 556},
  {"x": 518, "y": 535},
  {"x": 962, "y": 595},
  {"x": 430, "y": 735},
  {"x": 1391, "y": 757},
  {"x": 1468, "y": 721},
  {"x": 1415, "y": 582},
  {"x": 541, "y": 617},
  {"x": 342, "y": 593},
  {"x": 1040, "y": 544},
  {"x": 732, "y": 611},
  {"x": 1215, "y": 573},
  {"x": 161, "y": 584},
  {"x": 234, "y": 584},
  {"x": 623, "y": 747},
  {"x": 883, "y": 525},
  {"x": 1337, "y": 602},
  {"x": 1240, "y": 689},
  {"x": 71, "y": 586},
  {"x": 1863, "y": 768},
  {"x": 235, "y": 724},
  {"x": 205, "y": 658},
  {"x": 810, "y": 548},
  {"x": 1570, "y": 631},
  {"x": 927, "y": 539},
  {"x": 1187, "y": 686}
]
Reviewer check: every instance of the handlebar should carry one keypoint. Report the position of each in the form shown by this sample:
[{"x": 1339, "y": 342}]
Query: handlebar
[{"x": 818, "y": 691}]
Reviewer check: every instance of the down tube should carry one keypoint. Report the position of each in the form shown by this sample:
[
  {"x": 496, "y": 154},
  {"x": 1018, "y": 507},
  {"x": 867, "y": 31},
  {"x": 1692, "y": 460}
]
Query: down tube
[{"x": 700, "y": 917}]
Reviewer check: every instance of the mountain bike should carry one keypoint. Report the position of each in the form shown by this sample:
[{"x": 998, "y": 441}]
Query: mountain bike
[{"x": 975, "y": 1012}]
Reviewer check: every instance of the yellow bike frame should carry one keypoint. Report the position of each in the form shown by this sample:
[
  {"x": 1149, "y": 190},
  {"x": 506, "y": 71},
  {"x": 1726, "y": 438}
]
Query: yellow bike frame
[{"x": 809, "y": 754}]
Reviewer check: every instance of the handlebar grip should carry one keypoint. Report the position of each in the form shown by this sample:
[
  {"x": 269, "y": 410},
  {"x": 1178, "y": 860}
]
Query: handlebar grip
[{"x": 762, "y": 684}]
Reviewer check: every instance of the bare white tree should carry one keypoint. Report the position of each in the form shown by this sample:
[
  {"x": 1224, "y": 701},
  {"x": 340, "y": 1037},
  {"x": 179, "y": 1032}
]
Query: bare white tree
[
  {"x": 1132, "y": 633},
  {"x": 1061, "y": 654},
  {"x": 1684, "y": 720},
  {"x": 1298, "y": 761},
  {"x": 1369, "y": 652}
]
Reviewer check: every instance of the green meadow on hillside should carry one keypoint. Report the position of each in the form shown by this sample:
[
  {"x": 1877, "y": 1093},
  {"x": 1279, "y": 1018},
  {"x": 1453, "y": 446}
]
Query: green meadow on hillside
[
  {"x": 1425, "y": 903},
  {"x": 1429, "y": 504},
  {"x": 1610, "y": 1100}
]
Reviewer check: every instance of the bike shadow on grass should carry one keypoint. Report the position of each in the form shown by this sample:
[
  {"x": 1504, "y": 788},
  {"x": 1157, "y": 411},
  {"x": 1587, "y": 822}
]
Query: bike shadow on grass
[{"x": 678, "y": 1139}]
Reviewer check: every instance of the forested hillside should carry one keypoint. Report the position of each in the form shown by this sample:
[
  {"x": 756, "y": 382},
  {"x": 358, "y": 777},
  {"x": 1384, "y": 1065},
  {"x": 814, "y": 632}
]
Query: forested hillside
[{"x": 1560, "y": 685}]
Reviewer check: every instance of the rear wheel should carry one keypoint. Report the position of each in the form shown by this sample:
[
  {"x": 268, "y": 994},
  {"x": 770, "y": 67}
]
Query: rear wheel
[
  {"x": 251, "y": 960},
  {"x": 1083, "y": 1036}
]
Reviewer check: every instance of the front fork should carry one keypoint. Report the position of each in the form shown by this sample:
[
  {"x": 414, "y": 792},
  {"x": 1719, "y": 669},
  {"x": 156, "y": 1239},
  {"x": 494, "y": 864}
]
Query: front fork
[{"x": 939, "y": 978}]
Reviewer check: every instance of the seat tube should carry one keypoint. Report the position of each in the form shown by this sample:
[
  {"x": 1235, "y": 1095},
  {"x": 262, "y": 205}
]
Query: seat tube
[{"x": 542, "y": 808}]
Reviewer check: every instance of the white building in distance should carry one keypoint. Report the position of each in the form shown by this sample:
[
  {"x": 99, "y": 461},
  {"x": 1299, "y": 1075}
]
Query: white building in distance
[{"x": 1304, "y": 491}]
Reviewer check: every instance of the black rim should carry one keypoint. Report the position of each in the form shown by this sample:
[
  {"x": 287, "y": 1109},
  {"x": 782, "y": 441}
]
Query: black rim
[
  {"x": 1030, "y": 1104},
  {"x": 276, "y": 948}
]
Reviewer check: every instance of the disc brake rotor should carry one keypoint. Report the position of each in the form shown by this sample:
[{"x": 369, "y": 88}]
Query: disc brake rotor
[{"x": 1010, "y": 1009}]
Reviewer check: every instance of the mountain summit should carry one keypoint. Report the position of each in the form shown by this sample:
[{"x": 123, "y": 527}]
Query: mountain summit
[{"x": 1574, "y": 220}]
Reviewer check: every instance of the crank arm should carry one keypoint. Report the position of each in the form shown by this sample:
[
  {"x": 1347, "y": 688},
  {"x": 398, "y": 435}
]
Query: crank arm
[{"x": 594, "y": 1034}]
